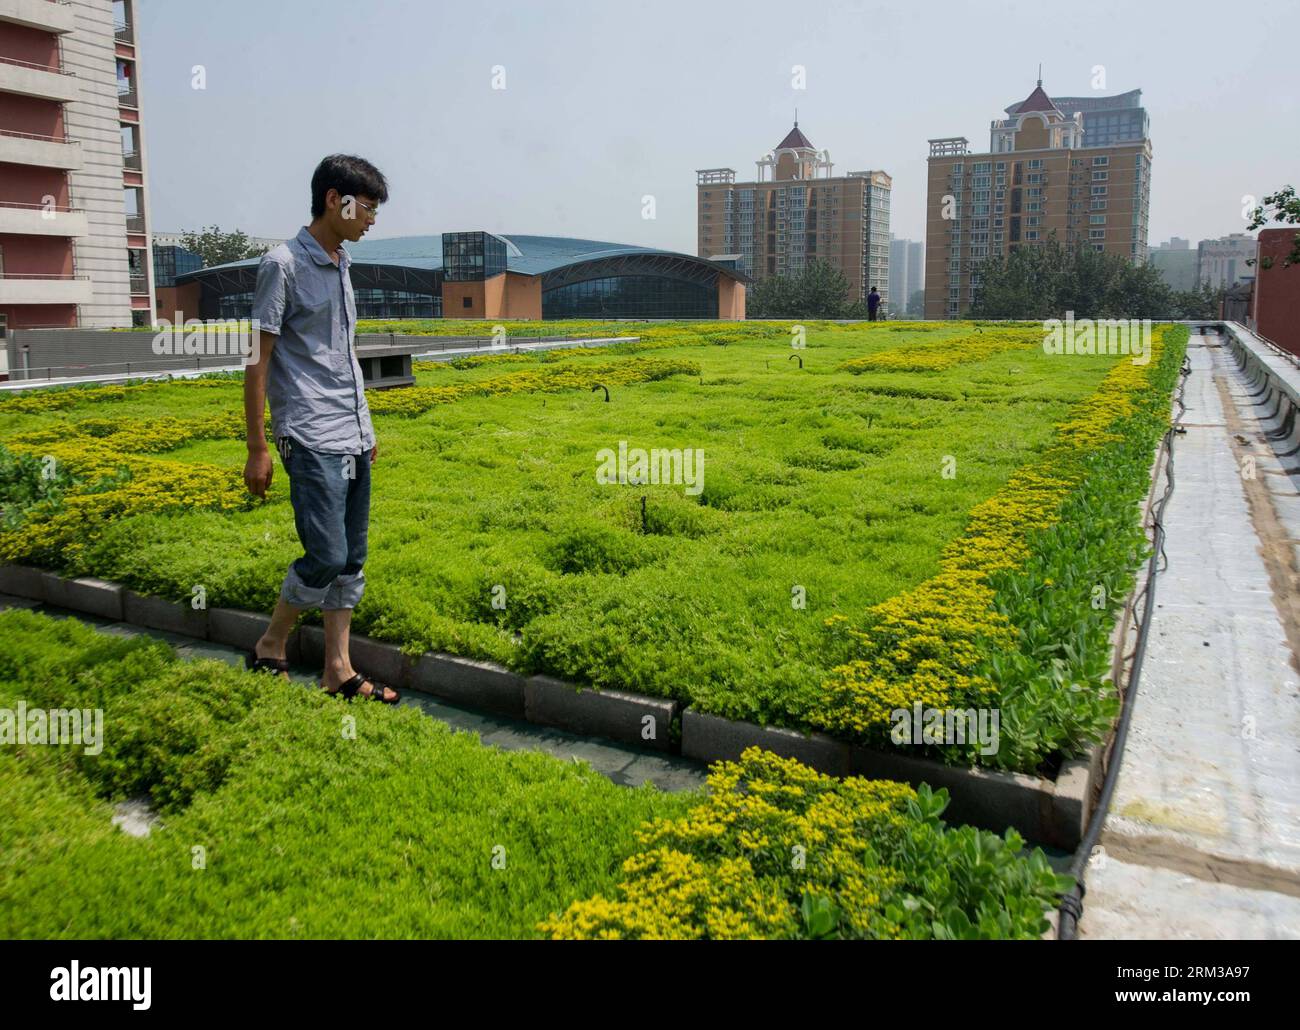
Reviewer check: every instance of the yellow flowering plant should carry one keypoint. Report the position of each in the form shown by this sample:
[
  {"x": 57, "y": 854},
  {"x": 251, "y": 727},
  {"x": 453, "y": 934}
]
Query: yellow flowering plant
[{"x": 778, "y": 850}]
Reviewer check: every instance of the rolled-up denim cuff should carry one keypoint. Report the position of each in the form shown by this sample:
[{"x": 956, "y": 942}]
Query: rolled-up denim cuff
[
  {"x": 299, "y": 594},
  {"x": 345, "y": 591}
]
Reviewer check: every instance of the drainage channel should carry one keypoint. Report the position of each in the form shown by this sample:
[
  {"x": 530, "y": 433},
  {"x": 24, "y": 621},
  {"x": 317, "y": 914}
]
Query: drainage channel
[{"x": 622, "y": 764}]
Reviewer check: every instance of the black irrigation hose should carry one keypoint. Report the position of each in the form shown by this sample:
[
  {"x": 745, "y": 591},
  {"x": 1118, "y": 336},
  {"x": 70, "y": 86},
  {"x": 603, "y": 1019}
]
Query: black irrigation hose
[{"x": 1071, "y": 908}]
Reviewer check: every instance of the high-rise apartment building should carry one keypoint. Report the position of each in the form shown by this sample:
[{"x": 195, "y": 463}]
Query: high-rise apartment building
[
  {"x": 1106, "y": 120},
  {"x": 906, "y": 272},
  {"x": 74, "y": 240},
  {"x": 1037, "y": 179},
  {"x": 795, "y": 212}
]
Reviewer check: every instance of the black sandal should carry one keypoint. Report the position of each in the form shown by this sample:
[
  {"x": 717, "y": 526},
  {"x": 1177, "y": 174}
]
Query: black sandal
[
  {"x": 350, "y": 689},
  {"x": 276, "y": 665}
]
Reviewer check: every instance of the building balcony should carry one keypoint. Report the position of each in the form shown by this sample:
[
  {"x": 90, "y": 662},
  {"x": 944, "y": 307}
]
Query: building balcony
[
  {"x": 25, "y": 148},
  {"x": 131, "y": 159},
  {"x": 36, "y": 80},
  {"x": 45, "y": 289},
  {"x": 124, "y": 32},
  {"x": 126, "y": 96},
  {"x": 57, "y": 17},
  {"x": 139, "y": 285},
  {"x": 135, "y": 223},
  {"x": 38, "y": 220}
]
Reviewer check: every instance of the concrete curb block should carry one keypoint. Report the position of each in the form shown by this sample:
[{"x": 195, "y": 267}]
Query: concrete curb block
[
  {"x": 236, "y": 628},
  {"x": 311, "y": 646},
  {"x": 159, "y": 613},
  {"x": 615, "y": 714},
  {"x": 988, "y": 798},
  {"x": 89, "y": 595},
  {"x": 21, "y": 581},
  {"x": 475, "y": 684},
  {"x": 711, "y": 738},
  {"x": 380, "y": 660}
]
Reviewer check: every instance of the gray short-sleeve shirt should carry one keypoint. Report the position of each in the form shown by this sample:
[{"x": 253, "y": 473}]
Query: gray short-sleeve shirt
[{"x": 314, "y": 383}]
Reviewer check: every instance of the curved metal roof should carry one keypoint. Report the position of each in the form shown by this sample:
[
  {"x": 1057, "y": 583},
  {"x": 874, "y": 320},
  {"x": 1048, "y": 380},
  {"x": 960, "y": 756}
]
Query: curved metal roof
[{"x": 525, "y": 255}]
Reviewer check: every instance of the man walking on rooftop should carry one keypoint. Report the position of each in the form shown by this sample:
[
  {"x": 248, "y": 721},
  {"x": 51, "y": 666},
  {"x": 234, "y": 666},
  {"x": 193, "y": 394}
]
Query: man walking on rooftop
[{"x": 306, "y": 366}]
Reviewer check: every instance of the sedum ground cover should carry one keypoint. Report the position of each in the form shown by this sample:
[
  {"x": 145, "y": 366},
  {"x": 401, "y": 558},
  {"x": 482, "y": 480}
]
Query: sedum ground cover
[
  {"x": 920, "y": 512},
  {"x": 277, "y": 819}
]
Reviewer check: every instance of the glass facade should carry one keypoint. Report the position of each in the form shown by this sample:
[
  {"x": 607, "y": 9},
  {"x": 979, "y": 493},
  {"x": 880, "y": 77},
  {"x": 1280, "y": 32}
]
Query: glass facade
[
  {"x": 631, "y": 296},
  {"x": 235, "y": 305},
  {"x": 371, "y": 303},
  {"x": 171, "y": 261},
  {"x": 472, "y": 256}
]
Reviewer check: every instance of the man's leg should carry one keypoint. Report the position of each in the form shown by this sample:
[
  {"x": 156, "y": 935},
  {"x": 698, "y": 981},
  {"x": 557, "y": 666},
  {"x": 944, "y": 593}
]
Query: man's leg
[
  {"x": 345, "y": 592},
  {"x": 273, "y": 642},
  {"x": 318, "y": 493}
]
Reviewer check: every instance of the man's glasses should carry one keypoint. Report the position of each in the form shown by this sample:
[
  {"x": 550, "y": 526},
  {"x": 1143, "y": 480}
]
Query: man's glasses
[{"x": 371, "y": 209}]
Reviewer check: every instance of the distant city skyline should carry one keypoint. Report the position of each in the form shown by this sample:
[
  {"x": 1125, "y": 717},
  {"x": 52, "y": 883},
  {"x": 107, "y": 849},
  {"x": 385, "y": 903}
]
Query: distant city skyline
[{"x": 607, "y": 111}]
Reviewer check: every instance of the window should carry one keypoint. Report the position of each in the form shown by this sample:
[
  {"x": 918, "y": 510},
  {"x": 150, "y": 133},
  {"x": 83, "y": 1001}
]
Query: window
[
  {"x": 1096, "y": 234},
  {"x": 1099, "y": 191},
  {"x": 1102, "y": 160},
  {"x": 1034, "y": 205},
  {"x": 1031, "y": 234},
  {"x": 1100, "y": 176},
  {"x": 467, "y": 302},
  {"x": 1036, "y": 163},
  {"x": 1096, "y": 219},
  {"x": 1097, "y": 205},
  {"x": 1034, "y": 220}
]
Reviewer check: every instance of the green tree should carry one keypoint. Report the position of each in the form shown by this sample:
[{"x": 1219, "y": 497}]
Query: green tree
[
  {"x": 1285, "y": 207},
  {"x": 819, "y": 291},
  {"x": 1046, "y": 280},
  {"x": 217, "y": 247}
]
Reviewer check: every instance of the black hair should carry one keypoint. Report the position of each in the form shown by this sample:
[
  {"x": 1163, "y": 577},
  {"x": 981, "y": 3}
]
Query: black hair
[{"x": 351, "y": 176}]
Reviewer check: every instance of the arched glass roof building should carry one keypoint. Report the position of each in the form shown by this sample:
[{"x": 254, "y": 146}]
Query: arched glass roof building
[{"x": 484, "y": 275}]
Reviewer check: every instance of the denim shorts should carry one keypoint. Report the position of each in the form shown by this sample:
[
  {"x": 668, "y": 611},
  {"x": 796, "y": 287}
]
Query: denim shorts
[{"x": 330, "y": 494}]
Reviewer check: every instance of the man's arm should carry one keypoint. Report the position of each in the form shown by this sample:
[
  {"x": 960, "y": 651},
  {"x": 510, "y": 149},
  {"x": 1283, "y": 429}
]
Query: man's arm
[
  {"x": 259, "y": 467},
  {"x": 270, "y": 298}
]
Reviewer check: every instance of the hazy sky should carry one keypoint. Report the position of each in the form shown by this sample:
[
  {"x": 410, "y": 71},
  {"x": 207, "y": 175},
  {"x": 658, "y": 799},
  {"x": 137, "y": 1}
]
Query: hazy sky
[{"x": 607, "y": 102}]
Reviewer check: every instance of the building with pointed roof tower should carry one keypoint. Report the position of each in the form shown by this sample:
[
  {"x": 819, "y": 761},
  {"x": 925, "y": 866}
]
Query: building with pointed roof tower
[
  {"x": 796, "y": 211},
  {"x": 1115, "y": 119},
  {"x": 1039, "y": 178}
]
